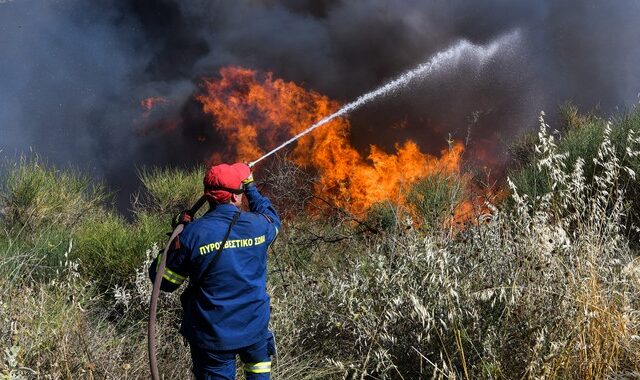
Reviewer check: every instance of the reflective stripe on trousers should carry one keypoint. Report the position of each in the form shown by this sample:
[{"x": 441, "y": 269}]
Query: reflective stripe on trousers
[{"x": 260, "y": 367}]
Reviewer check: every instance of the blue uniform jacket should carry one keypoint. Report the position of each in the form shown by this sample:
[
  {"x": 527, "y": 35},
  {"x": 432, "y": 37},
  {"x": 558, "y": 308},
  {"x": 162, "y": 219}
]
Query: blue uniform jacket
[{"x": 229, "y": 309}]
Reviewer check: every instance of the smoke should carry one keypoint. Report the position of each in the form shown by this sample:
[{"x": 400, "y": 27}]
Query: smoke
[{"x": 72, "y": 73}]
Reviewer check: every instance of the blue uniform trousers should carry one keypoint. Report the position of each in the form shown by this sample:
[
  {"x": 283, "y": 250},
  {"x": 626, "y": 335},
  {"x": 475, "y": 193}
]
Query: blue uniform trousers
[{"x": 221, "y": 365}]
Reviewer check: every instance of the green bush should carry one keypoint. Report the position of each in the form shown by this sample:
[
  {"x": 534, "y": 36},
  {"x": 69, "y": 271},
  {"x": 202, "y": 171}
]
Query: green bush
[
  {"x": 580, "y": 136},
  {"x": 382, "y": 216},
  {"x": 435, "y": 198},
  {"x": 168, "y": 191},
  {"x": 44, "y": 210},
  {"x": 35, "y": 196},
  {"x": 35, "y": 258},
  {"x": 40, "y": 208},
  {"x": 110, "y": 249},
  {"x": 625, "y": 125}
]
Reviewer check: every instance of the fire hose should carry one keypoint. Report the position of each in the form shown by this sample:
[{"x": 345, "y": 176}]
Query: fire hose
[{"x": 153, "y": 304}]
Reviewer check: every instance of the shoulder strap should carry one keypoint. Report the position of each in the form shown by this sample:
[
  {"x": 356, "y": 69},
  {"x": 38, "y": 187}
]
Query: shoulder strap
[{"x": 216, "y": 257}]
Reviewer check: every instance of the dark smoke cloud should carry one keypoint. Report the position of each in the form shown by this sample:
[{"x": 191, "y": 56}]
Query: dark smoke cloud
[{"x": 72, "y": 73}]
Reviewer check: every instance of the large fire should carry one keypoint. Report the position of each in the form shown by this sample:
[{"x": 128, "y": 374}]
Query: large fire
[{"x": 256, "y": 112}]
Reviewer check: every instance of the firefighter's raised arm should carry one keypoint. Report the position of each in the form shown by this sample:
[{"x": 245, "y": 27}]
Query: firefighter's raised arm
[{"x": 259, "y": 203}]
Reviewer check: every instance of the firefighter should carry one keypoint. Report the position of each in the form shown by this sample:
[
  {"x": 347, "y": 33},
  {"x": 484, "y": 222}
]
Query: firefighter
[{"x": 224, "y": 255}]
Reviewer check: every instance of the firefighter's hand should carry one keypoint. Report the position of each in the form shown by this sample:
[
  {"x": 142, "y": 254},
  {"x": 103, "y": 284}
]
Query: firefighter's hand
[
  {"x": 247, "y": 182},
  {"x": 184, "y": 217}
]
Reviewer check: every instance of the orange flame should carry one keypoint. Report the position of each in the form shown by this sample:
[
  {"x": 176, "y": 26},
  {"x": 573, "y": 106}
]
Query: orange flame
[
  {"x": 148, "y": 104},
  {"x": 257, "y": 112}
]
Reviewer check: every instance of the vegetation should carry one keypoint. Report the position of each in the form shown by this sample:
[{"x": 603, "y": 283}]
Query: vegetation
[
  {"x": 435, "y": 198},
  {"x": 546, "y": 285},
  {"x": 579, "y": 139}
]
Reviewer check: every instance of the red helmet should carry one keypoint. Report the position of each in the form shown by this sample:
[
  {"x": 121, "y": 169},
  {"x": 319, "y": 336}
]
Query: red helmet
[{"x": 223, "y": 180}]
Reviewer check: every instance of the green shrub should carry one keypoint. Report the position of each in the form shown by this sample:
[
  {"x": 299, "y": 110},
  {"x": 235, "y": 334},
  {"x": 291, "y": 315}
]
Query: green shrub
[
  {"x": 35, "y": 196},
  {"x": 110, "y": 248},
  {"x": 580, "y": 136},
  {"x": 435, "y": 198},
  {"x": 44, "y": 209},
  {"x": 382, "y": 216},
  {"x": 41, "y": 207},
  {"x": 625, "y": 125},
  {"x": 36, "y": 258},
  {"x": 153, "y": 226},
  {"x": 167, "y": 191}
]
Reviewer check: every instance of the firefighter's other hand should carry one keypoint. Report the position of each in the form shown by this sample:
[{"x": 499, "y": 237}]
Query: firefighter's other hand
[{"x": 184, "y": 217}]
